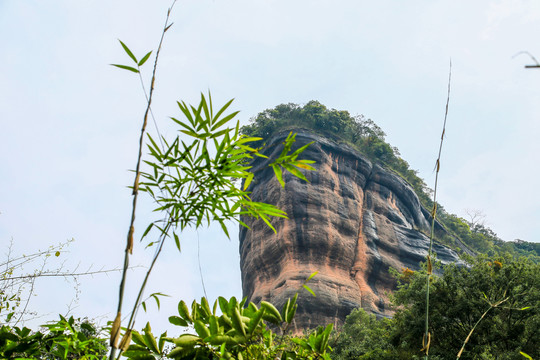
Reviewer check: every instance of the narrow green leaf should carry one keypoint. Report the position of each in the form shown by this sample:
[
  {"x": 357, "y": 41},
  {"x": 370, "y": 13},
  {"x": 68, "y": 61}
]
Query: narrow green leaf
[
  {"x": 294, "y": 171},
  {"x": 312, "y": 276},
  {"x": 225, "y": 120},
  {"x": 177, "y": 241},
  {"x": 302, "y": 165},
  {"x": 279, "y": 174},
  {"x": 126, "y": 49},
  {"x": 157, "y": 300},
  {"x": 308, "y": 289},
  {"x": 248, "y": 180},
  {"x": 147, "y": 230},
  {"x": 267, "y": 222},
  {"x": 143, "y": 60},
  {"x": 126, "y": 68},
  {"x": 525, "y": 355},
  {"x": 224, "y": 228}
]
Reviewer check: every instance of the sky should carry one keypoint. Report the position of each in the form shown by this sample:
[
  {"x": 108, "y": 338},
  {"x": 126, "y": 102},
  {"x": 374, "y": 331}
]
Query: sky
[{"x": 70, "y": 122}]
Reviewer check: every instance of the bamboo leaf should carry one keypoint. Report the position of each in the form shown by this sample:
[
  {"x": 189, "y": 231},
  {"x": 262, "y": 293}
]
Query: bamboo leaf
[
  {"x": 125, "y": 67},
  {"x": 294, "y": 171},
  {"x": 126, "y": 49},
  {"x": 143, "y": 60},
  {"x": 279, "y": 174},
  {"x": 312, "y": 276},
  {"x": 224, "y": 227},
  {"x": 177, "y": 241},
  {"x": 309, "y": 289},
  {"x": 225, "y": 120},
  {"x": 248, "y": 181}
]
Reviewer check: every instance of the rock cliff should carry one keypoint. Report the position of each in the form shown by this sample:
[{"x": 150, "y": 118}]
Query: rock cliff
[{"x": 351, "y": 223}]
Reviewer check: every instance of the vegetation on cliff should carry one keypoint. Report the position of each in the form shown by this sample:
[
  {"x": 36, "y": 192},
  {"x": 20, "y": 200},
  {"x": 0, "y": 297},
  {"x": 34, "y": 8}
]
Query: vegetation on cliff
[{"x": 369, "y": 139}]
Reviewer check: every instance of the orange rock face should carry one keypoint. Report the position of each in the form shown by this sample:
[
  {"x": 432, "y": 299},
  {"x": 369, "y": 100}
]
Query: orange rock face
[{"x": 351, "y": 222}]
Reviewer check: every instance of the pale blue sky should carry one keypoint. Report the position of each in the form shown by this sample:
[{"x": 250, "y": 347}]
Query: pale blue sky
[{"x": 70, "y": 122}]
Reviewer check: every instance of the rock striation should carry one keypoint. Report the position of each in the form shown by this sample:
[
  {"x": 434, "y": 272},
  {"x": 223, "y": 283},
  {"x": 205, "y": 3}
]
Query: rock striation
[{"x": 351, "y": 222}]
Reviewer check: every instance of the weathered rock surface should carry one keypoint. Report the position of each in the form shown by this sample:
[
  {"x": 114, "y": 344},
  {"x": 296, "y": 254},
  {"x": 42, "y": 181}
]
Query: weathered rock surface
[{"x": 351, "y": 223}]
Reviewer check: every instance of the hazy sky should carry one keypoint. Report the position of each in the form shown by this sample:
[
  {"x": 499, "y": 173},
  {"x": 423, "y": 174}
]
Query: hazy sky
[{"x": 70, "y": 122}]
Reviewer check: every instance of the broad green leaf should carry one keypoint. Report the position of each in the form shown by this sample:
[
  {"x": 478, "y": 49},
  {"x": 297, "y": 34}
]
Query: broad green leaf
[
  {"x": 272, "y": 312},
  {"x": 256, "y": 319},
  {"x": 186, "y": 340},
  {"x": 213, "y": 325},
  {"x": 205, "y": 306},
  {"x": 137, "y": 338},
  {"x": 125, "y": 67},
  {"x": 150, "y": 340},
  {"x": 178, "y": 321},
  {"x": 184, "y": 311},
  {"x": 201, "y": 329},
  {"x": 223, "y": 304},
  {"x": 237, "y": 322},
  {"x": 126, "y": 49}
]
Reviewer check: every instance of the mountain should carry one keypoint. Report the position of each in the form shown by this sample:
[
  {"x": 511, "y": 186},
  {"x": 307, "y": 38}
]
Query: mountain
[
  {"x": 351, "y": 222},
  {"x": 360, "y": 214}
]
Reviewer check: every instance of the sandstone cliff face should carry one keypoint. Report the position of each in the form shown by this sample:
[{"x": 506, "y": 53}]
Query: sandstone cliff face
[{"x": 351, "y": 222}]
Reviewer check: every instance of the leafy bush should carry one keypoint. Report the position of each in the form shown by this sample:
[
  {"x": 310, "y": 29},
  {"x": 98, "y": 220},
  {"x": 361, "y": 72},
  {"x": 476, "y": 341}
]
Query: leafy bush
[
  {"x": 62, "y": 340},
  {"x": 239, "y": 332},
  {"x": 494, "y": 301}
]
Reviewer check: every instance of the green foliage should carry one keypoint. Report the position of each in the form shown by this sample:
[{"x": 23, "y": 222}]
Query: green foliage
[
  {"x": 196, "y": 182},
  {"x": 359, "y": 132},
  {"x": 365, "y": 337},
  {"x": 503, "y": 293},
  {"x": 231, "y": 330},
  {"x": 62, "y": 340}
]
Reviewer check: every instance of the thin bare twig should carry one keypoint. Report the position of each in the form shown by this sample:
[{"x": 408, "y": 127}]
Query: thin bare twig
[
  {"x": 427, "y": 335},
  {"x": 536, "y": 65},
  {"x": 491, "y": 306}
]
